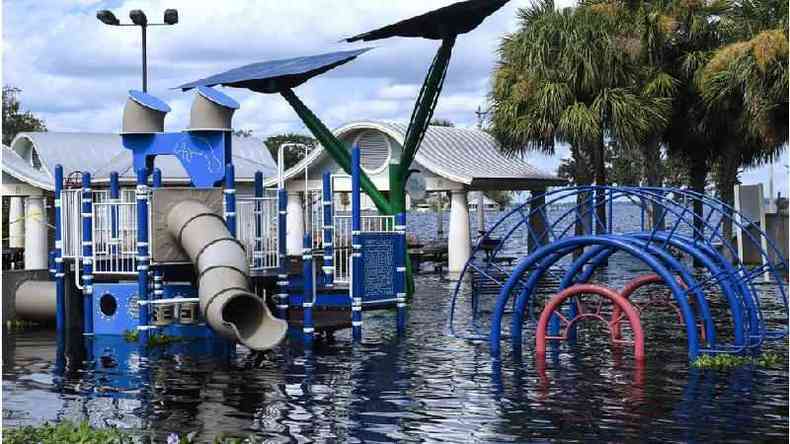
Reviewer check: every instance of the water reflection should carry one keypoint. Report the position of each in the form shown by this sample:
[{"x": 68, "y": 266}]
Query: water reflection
[{"x": 422, "y": 386}]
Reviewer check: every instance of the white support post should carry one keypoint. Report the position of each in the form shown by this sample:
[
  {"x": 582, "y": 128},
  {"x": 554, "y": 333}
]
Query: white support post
[
  {"x": 35, "y": 234},
  {"x": 294, "y": 225},
  {"x": 16, "y": 222},
  {"x": 458, "y": 248}
]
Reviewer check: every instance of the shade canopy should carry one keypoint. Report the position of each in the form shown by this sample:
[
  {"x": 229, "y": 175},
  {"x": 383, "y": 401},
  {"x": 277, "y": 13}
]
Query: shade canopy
[
  {"x": 449, "y": 21},
  {"x": 275, "y": 76}
]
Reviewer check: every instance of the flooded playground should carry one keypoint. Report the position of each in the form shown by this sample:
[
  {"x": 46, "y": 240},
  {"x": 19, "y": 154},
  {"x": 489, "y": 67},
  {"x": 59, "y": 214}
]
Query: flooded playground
[{"x": 423, "y": 386}]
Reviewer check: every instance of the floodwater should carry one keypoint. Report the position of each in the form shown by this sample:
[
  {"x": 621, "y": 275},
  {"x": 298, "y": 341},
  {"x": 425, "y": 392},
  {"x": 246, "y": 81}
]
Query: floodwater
[{"x": 423, "y": 386}]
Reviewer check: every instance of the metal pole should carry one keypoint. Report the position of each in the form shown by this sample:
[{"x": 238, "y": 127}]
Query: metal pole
[
  {"x": 87, "y": 254},
  {"x": 145, "y": 61},
  {"x": 307, "y": 296},
  {"x": 400, "y": 271},
  {"x": 141, "y": 194},
  {"x": 356, "y": 247},
  {"x": 328, "y": 226},
  {"x": 282, "y": 255},
  {"x": 257, "y": 253},
  {"x": 230, "y": 198},
  {"x": 159, "y": 291},
  {"x": 60, "y": 289}
]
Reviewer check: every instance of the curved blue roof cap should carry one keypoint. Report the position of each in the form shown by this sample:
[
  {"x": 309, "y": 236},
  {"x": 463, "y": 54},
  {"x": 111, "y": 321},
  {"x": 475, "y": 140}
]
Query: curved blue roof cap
[
  {"x": 149, "y": 101},
  {"x": 218, "y": 97},
  {"x": 277, "y": 75}
]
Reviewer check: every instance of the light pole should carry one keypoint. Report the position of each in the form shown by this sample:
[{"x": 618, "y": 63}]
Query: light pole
[{"x": 139, "y": 19}]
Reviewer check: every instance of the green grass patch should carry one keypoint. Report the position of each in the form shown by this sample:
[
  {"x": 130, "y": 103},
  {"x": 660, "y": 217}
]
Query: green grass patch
[
  {"x": 65, "y": 432},
  {"x": 727, "y": 361},
  {"x": 162, "y": 340},
  {"x": 131, "y": 335}
]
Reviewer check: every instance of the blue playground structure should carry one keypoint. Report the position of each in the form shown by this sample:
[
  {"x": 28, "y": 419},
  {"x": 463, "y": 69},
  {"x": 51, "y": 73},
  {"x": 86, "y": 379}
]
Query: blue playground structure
[
  {"x": 682, "y": 240},
  {"x": 208, "y": 264}
]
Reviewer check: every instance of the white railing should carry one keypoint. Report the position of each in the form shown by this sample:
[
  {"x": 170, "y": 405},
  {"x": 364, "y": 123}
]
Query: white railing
[
  {"x": 261, "y": 253},
  {"x": 115, "y": 254},
  {"x": 341, "y": 241}
]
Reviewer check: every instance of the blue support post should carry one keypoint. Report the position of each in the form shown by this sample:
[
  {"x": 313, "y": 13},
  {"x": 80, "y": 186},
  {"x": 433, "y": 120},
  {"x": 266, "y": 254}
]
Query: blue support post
[
  {"x": 141, "y": 194},
  {"x": 356, "y": 247},
  {"x": 307, "y": 297},
  {"x": 257, "y": 253},
  {"x": 60, "y": 289},
  {"x": 159, "y": 291},
  {"x": 329, "y": 250},
  {"x": 400, "y": 271},
  {"x": 230, "y": 198},
  {"x": 87, "y": 254},
  {"x": 282, "y": 278}
]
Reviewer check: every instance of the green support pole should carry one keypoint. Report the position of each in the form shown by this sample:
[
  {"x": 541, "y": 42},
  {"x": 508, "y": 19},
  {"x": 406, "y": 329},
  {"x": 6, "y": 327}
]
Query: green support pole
[
  {"x": 336, "y": 149},
  {"x": 426, "y": 103}
]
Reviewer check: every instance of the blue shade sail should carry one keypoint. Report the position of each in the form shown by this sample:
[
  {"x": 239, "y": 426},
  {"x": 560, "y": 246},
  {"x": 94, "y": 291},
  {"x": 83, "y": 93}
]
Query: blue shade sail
[
  {"x": 277, "y": 75},
  {"x": 449, "y": 21},
  {"x": 218, "y": 97},
  {"x": 148, "y": 101}
]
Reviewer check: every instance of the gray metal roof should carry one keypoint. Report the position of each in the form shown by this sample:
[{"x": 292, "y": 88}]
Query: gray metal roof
[
  {"x": 467, "y": 156},
  {"x": 102, "y": 153}
]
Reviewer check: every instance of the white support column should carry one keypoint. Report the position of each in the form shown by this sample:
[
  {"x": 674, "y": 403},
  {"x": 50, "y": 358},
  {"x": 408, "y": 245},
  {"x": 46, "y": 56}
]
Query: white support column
[
  {"x": 458, "y": 248},
  {"x": 16, "y": 222},
  {"x": 35, "y": 234},
  {"x": 294, "y": 225}
]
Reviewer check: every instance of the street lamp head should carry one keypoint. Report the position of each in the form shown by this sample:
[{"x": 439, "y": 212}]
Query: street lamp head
[
  {"x": 171, "y": 16},
  {"x": 107, "y": 17},
  {"x": 138, "y": 17}
]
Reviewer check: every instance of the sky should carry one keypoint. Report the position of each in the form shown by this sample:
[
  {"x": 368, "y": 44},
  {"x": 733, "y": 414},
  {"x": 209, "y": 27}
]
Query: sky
[{"x": 75, "y": 72}]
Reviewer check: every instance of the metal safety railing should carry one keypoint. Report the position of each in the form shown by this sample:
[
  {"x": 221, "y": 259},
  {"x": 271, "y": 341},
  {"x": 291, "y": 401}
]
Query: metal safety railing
[
  {"x": 342, "y": 239},
  {"x": 257, "y": 227},
  {"x": 114, "y": 237}
]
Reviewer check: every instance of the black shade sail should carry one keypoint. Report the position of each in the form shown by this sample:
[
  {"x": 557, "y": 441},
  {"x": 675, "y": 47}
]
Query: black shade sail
[
  {"x": 275, "y": 76},
  {"x": 449, "y": 21}
]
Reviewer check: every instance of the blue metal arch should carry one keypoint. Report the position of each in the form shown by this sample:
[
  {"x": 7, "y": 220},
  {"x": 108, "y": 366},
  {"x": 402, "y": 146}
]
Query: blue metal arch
[{"x": 582, "y": 241}]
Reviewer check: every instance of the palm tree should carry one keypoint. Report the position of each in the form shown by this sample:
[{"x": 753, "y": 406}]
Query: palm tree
[
  {"x": 745, "y": 84},
  {"x": 570, "y": 76}
]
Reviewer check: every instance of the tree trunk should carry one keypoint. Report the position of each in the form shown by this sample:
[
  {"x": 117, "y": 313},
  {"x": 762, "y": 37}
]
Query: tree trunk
[
  {"x": 599, "y": 166},
  {"x": 651, "y": 171},
  {"x": 582, "y": 177},
  {"x": 699, "y": 173},
  {"x": 726, "y": 178}
]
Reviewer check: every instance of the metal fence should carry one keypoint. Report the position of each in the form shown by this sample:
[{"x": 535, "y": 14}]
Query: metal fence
[
  {"x": 253, "y": 214},
  {"x": 342, "y": 240}
]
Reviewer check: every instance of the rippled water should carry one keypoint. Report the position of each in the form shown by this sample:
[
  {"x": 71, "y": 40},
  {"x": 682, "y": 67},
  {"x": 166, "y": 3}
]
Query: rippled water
[{"x": 424, "y": 386}]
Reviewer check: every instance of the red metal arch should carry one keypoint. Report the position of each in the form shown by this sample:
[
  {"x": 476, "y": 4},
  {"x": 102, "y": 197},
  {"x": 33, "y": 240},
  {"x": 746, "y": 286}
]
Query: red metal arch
[{"x": 541, "y": 337}]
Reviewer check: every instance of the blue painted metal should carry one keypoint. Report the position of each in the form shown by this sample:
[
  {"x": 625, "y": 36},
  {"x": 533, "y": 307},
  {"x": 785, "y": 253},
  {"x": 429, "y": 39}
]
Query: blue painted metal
[
  {"x": 218, "y": 97},
  {"x": 583, "y": 241},
  {"x": 356, "y": 246},
  {"x": 309, "y": 284},
  {"x": 230, "y": 198},
  {"x": 697, "y": 237},
  {"x": 141, "y": 194},
  {"x": 277, "y": 75},
  {"x": 400, "y": 271},
  {"x": 60, "y": 289},
  {"x": 328, "y": 229},
  {"x": 202, "y": 153},
  {"x": 87, "y": 253},
  {"x": 149, "y": 101}
]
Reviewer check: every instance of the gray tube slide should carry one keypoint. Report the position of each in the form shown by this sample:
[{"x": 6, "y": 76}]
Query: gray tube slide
[
  {"x": 35, "y": 301},
  {"x": 221, "y": 264}
]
